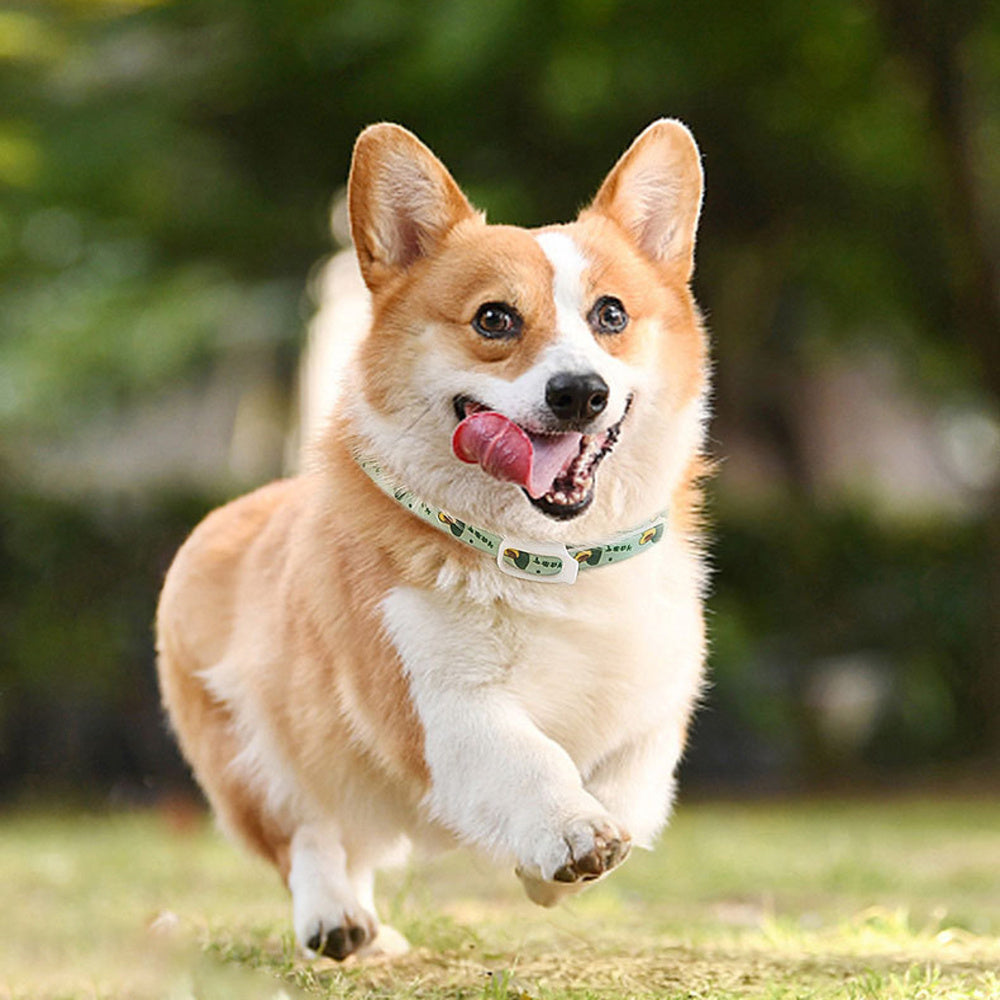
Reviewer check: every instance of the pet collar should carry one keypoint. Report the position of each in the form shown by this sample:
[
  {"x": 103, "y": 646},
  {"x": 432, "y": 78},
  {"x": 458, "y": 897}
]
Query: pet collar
[{"x": 544, "y": 562}]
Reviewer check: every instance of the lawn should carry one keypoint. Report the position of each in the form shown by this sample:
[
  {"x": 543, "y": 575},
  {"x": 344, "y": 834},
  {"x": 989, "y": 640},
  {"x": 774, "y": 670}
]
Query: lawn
[{"x": 859, "y": 899}]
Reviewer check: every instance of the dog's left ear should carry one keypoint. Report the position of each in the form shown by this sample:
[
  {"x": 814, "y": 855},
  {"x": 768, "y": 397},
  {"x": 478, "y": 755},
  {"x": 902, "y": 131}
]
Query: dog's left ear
[
  {"x": 654, "y": 194},
  {"x": 402, "y": 201}
]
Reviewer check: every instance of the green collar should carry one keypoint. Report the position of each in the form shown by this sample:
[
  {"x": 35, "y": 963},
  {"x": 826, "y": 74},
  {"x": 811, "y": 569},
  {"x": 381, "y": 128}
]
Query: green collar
[{"x": 544, "y": 562}]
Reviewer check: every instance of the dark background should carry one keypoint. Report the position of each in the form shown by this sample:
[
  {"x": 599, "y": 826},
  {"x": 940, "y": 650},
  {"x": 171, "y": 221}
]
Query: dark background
[{"x": 167, "y": 172}]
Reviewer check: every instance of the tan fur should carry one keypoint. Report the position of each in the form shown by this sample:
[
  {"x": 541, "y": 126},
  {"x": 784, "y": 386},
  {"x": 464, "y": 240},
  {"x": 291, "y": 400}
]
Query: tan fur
[{"x": 309, "y": 589}]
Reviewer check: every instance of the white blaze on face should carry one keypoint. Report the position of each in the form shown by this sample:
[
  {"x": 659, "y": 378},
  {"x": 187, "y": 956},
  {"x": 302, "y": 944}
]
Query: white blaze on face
[
  {"x": 568, "y": 265},
  {"x": 574, "y": 348}
]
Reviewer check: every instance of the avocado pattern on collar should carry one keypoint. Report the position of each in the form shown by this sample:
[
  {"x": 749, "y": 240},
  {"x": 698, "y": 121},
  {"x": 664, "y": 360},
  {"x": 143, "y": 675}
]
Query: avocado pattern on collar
[{"x": 527, "y": 560}]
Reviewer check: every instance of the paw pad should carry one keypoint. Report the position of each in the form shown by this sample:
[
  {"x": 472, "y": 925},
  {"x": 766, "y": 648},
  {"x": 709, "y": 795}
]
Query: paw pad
[
  {"x": 338, "y": 942},
  {"x": 607, "y": 853}
]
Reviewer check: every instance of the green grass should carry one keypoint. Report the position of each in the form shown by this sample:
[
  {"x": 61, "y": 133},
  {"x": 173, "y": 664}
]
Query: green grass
[{"x": 865, "y": 900}]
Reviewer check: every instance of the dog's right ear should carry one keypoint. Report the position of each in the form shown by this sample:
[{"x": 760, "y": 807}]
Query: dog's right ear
[{"x": 402, "y": 202}]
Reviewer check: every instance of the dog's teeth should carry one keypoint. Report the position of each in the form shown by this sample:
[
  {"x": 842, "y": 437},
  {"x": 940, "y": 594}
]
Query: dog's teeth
[{"x": 576, "y": 483}]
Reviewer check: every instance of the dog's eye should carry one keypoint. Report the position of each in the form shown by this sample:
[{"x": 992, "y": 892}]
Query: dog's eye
[
  {"x": 608, "y": 315},
  {"x": 497, "y": 321}
]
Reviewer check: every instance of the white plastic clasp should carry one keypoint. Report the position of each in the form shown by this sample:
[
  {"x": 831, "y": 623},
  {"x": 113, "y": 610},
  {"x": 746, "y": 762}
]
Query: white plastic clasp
[{"x": 511, "y": 547}]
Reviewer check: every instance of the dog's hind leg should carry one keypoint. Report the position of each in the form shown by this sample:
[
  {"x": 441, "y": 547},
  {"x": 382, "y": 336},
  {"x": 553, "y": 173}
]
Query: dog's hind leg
[
  {"x": 206, "y": 731},
  {"x": 387, "y": 941}
]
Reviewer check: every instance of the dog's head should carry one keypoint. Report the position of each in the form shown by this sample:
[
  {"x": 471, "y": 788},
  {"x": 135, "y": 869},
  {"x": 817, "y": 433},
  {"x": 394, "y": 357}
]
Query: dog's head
[{"x": 505, "y": 365}]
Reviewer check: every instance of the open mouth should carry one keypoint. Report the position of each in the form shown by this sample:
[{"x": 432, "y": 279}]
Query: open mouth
[{"x": 556, "y": 470}]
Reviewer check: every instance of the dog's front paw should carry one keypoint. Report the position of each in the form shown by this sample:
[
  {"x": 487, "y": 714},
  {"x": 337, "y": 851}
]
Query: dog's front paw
[
  {"x": 583, "y": 851},
  {"x": 594, "y": 849},
  {"x": 337, "y": 936}
]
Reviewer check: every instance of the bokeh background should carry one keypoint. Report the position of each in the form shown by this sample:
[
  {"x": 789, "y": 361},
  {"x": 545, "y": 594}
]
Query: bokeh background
[{"x": 168, "y": 172}]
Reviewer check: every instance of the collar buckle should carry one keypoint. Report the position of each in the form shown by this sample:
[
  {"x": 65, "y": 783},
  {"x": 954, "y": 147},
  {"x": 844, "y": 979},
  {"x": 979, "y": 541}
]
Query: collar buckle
[{"x": 541, "y": 562}]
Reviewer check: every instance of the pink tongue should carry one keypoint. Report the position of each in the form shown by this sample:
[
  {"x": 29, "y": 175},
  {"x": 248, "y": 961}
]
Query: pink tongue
[{"x": 509, "y": 453}]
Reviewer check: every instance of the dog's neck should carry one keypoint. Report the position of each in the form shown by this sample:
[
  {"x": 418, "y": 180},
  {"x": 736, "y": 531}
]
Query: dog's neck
[{"x": 542, "y": 562}]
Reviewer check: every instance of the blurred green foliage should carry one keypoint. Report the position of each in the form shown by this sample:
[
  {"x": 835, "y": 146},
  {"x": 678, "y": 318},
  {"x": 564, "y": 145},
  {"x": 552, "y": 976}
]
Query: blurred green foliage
[
  {"x": 78, "y": 701},
  {"x": 909, "y": 606},
  {"x": 166, "y": 170}
]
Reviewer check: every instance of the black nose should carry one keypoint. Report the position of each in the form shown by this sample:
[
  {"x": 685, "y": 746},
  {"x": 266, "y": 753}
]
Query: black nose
[{"x": 576, "y": 397}]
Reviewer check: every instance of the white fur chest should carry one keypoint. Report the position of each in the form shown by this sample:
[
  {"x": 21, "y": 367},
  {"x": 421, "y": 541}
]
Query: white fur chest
[{"x": 594, "y": 665}]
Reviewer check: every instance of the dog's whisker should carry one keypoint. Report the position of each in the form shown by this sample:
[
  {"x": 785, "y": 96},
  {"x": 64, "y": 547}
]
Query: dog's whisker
[{"x": 420, "y": 416}]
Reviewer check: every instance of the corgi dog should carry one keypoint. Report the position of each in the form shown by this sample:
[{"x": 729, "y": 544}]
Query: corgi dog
[{"x": 478, "y": 618}]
